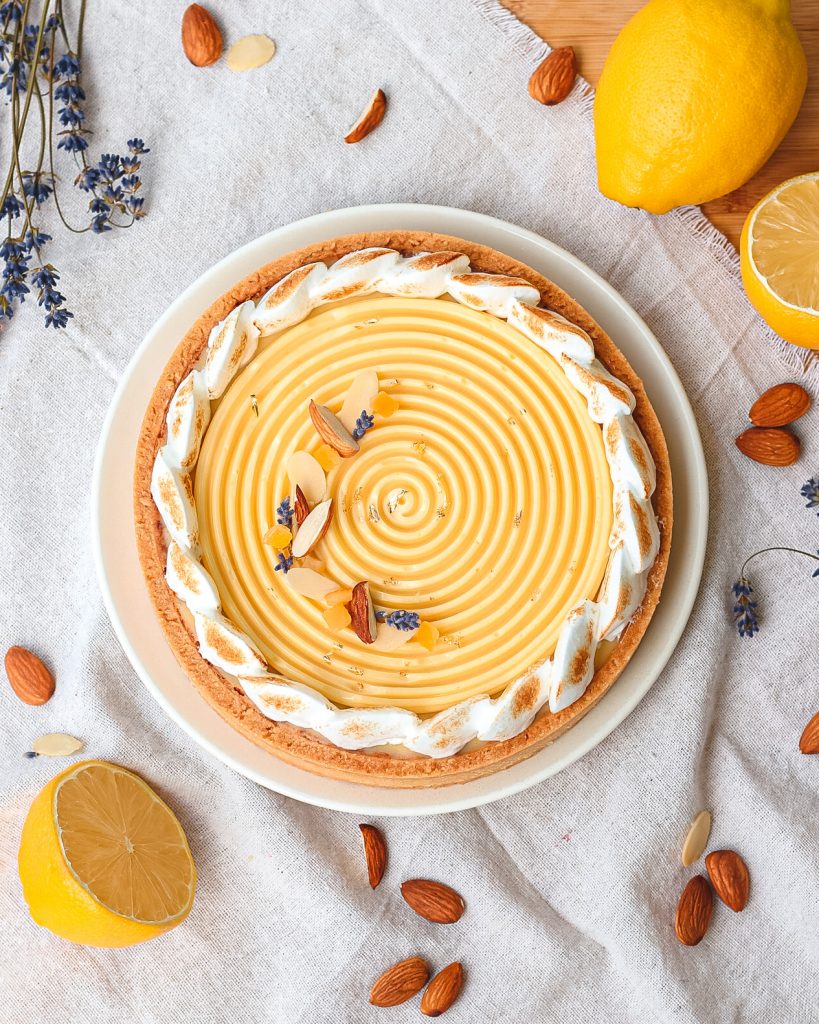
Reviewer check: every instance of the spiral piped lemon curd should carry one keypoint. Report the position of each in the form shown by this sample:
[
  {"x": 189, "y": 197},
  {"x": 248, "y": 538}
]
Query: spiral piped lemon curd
[{"x": 484, "y": 503}]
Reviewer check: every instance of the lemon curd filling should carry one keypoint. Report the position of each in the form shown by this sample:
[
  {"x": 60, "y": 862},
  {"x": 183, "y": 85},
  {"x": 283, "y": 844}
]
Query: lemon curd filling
[{"x": 483, "y": 503}]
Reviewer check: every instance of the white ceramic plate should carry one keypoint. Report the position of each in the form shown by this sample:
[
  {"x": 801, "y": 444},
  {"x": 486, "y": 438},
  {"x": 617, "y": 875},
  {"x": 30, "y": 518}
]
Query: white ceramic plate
[{"x": 124, "y": 589}]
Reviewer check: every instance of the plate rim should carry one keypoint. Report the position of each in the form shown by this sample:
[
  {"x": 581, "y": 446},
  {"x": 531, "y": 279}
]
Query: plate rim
[{"x": 439, "y": 799}]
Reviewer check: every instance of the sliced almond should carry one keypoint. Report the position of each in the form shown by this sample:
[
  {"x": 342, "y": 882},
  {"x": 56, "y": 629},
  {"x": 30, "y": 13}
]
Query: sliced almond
[
  {"x": 310, "y": 583},
  {"x": 375, "y": 850},
  {"x": 697, "y": 838},
  {"x": 388, "y": 638},
  {"x": 371, "y": 117},
  {"x": 362, "y": 614},
  {"x": 313, "y": 528},
  {"x": 332, "y": 431},
  {"x": 359, "y": 398},
  {"x": 304, "y": 471},
  {"x": 301, "y": 507},
  {"x": 250, "y": 52},
  {"x": 57, "y": 744}
]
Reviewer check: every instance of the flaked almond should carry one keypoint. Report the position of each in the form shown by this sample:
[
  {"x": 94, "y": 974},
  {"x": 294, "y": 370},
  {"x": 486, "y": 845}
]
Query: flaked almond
[
  {"x": 433, "y": 900},
  {"x": 250, "y": 52},
  {"x": 359, "y": 398},
  {"x": 362, "y": 614},
  {"x": 57, "y": 744},
  {"x": 332, "y": 431},
  {"x": 779, "y": 405},
  {"x": 304, "y": 471},
  {"x": 400, "y": 982},
  {"x": 443, "y": 990},
  {"x": 697, "y": 838},
  {"x": 553, "y": 79},
  {"x": 729, "y": 876},
  {"x": 694, "y": 911},
  {"x": 313, "y": 528},
  {"x": 310, "y": 583},
  {"x": 201, "y": 38},
  {"x": 375, "y": 850},
  {"x": 301, "y": 508},
  {"x": 28, "y": 676},
  {"x": 371, "y": 118},
  {"x": 809, "y": 741},
  {"x": 771, "y": 446}
]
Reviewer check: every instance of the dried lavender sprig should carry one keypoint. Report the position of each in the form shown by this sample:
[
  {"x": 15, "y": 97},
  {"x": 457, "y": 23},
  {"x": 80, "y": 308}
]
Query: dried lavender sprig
[
  {"x": 810, "y": 490},
  {"x": 284, "y": 513},
  {"x": 745, "y": 616},
  {"x": 400, "y": 619},
  {"x": 363, "y": 424}
]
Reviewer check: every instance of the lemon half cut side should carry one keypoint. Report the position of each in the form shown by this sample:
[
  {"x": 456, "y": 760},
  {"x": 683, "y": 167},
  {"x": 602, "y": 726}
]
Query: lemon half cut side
[
  {"x": 103, "y": 860},
  {"x": 779, "y": 257}
]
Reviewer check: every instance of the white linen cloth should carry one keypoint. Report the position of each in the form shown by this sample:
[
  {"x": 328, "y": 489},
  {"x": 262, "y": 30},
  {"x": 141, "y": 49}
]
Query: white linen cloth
[{"x": 572, "y": 886}]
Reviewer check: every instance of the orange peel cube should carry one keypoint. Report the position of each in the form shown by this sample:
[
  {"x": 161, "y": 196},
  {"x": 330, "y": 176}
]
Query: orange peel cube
[
  {"x": 337, "y": 617},
  {"x": 384, "y": 404}
]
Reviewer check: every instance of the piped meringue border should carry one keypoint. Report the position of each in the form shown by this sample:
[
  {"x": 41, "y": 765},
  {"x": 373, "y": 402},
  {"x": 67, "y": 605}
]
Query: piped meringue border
[{"x": 634, "y": 539}]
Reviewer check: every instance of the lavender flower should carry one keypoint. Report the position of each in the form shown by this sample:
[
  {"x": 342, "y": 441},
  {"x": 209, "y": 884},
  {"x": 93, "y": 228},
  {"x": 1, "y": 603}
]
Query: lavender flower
[
  {"x": 363, "y": 424},
  {"x": 745, "y": 619},
  {"x": 400, "y": 619},
  {"x": 284, "y": 513},
  {"x": 810, "y": 490},
  {"x": 284, "y": 563}
]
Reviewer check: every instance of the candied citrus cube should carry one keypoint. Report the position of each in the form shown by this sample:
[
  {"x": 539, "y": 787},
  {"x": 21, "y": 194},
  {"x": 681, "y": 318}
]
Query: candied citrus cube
[
  {"x": 327, "y": 457},
  {"x": 278, "y": 536},
  {"x": 343, "y": 596},
  {"x": 311, "y": 562},
  {"x": 337, "y": 617},
  {"x": 427, "y": 635},
  {"x": 384, "y": 404}
]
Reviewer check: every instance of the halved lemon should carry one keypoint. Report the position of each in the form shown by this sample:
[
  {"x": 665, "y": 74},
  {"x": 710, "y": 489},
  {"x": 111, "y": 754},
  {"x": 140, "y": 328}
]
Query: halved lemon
[
  {"x": 779, "y": 257},
  {"x": 103, "y": 860}
]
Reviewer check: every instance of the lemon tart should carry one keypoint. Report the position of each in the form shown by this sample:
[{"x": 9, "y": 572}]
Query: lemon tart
[{"x": 403, "y": 508}]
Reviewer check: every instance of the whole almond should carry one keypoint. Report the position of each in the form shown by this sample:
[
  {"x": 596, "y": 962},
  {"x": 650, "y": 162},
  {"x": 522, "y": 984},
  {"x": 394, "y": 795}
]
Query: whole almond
[
  {"x": 772, "y": 446},
  {"x": 780, "y": 405},
  {"x": 201, "y": 38},
  {"x": 443, "y": 990},
  {"x": 809, "y": 741},
  {"x": 301, "y": 507},
  {"x": 362, "y": 614},
  {"x": 370, "y": 118},
  {"x": 433, "y": 900},
  {"x": 28, "y": 676},
  {"x": 375, "y": 850},
  {"x": 729, "y": 877},
  {"x": 332, "y": 431},
  {"x": 400, "y": 982},
  {"x": 694, "y": 911},
  {"x": 553, "y": 80}
]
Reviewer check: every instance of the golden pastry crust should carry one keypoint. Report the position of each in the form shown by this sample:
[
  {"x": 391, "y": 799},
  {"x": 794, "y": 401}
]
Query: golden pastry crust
[{"x": 301, "y": 747}]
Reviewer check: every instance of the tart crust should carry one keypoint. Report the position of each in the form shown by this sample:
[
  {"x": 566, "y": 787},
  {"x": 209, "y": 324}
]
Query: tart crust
[{"x": 301, "y": 747}]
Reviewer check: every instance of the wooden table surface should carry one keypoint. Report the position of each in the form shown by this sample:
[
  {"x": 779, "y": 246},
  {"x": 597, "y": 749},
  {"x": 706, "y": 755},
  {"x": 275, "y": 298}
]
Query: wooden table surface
[{"x": 591, "y": 26}]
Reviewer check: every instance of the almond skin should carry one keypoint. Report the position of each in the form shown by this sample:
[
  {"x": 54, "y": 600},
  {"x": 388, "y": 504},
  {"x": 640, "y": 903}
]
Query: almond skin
[
  {"x": 332, "y": 431},
  {"x": 28, "y": 677},
  {"x": 375, "y": 850},
  {"x": 694, "y": 911},
  {"x": 201, "y": 38},
  {"x": 400, "y": 982},
  {"x": 771, "y": 446},
  {"x": 362, "y": 614},
  {"x": 443, "y": 990},
  {"x": 780, "y": 405},
  {"x": 433, "y": 900},
  {"x": 809, "y": 741},
  {"x": 729, "y": 876},
  {"x": 553, "y": 80},
  {"x": 301, "y": 508},
  {"x": 371, "y": 117}
]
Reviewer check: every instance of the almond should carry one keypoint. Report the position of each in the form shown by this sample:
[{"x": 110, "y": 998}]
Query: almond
[
  {"x": 313, "y": 528},
  {"x": 809, "y": 741},
  {"x": 433, "y": 900},
  {"x": 553, "y": 80},
  {"x": 201, "y": 38},
  {"x": 729, "y": 877},
  {"x": 375, "y": 850},
  {"x": 694, "y": 911},
  {"x": 779, "y": 405},
  {"x": 443, "y": 990},
  {"x": 771, "y": 446},
  {"x": 362, "y": 614},
  {"x": 28, "y": 677},
  {"x": 697, "y": 838},
  {"x": 401, "y": 982},
  {"x": 301, "y": 508},
  {"x": 371, "y": 118},
  {"x": 332, "y": 431},
  {"x": 304, "y": 471}
]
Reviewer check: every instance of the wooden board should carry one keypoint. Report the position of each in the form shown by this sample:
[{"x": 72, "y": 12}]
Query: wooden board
[{"x": 590, "y": 26}]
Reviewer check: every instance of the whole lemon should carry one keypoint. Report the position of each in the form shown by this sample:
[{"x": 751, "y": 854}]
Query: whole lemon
[
  {"x": 103, "y": 860},
  {"x": 694, "y": 97}
]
